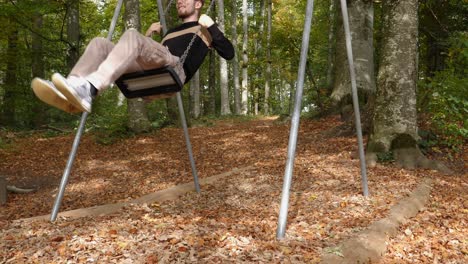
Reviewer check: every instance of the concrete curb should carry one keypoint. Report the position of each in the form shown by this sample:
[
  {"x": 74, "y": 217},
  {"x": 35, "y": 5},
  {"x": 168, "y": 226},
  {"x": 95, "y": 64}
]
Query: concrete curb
[
  {"x": 159, "y": 196},
  {"x": 369, "y": 245}
]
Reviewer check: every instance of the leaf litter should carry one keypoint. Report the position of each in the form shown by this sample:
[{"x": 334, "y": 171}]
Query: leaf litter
[{"x": 232, "y": 220}]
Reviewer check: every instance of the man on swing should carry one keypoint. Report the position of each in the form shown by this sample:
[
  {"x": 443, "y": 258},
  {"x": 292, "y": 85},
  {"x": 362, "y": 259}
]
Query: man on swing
[{"x": 103, "y": 62}]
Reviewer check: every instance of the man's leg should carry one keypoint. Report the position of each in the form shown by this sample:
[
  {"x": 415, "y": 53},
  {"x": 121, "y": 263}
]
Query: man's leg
[
  {"x": 95, "y": 53},
  {"x": 133, "y": 52}
]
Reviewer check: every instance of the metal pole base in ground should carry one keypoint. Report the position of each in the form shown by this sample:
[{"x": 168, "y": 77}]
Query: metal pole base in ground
[
  {"x": 66, "y": 173},
  {"x": 187, "y": 141},
  {"x": 283, "y": 214}
]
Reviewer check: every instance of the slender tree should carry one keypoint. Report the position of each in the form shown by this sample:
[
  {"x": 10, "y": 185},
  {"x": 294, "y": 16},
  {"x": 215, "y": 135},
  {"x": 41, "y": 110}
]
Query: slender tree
[
  {"x": 73, "y": 32},
  {"x": 235, "y": 63},
  {"x": 245, "y": 58},
  {"x": 258, "y": 54},
  {"x": 137, "y": 115},
  {"x": 211, "y": 104},
  {"x": 37, "y": 65},
  {"x": 223, "y": 68},
  {"x": 10, "y": 86},
  {"x": 332, "y": 15},
  {"x": 266, "y": 109},
  {"x": 195, "y": 95}
]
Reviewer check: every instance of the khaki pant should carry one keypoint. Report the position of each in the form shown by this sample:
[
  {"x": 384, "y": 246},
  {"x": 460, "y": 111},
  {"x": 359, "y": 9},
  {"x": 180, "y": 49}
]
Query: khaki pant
[{"x": 103, "y": 62}]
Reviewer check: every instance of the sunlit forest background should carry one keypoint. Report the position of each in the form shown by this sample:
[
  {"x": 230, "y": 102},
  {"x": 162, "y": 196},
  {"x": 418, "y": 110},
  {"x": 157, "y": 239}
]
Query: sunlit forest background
[{"x": 42, "y": 37}]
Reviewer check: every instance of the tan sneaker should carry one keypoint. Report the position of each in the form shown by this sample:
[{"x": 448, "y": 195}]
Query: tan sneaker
[
  {"x": 77, "y": 90},
  {"x": 47, "y": 93}
]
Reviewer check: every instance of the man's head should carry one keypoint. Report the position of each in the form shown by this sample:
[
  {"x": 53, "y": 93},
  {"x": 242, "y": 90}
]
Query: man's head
[{"x": 189, "y": 10}]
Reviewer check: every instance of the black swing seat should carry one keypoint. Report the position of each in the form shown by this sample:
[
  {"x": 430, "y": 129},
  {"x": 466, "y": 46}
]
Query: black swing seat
[{"x": 150, "y": 82}]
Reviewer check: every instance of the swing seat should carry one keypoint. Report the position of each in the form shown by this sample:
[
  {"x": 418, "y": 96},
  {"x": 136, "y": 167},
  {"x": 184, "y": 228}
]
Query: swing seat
[{"x": 150, "y": 82}]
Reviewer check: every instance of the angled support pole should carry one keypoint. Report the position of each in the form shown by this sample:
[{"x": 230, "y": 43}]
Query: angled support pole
[
  {"x": 187, "y": 141},
  {"x": 162, "y": 19},
  {"x": 283, "y": 214},
  {"x": 79, "y": 133},
  {"x": 352, "y": 74}
]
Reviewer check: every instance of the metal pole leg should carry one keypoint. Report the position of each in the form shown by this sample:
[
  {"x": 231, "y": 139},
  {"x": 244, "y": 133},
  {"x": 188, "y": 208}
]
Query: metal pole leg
[
  {"x": 66, "y": 173},
  {"x": 283, "y": 214},
  {"x": 344, "y": 11},
  {"x": 187, "y": 141}
]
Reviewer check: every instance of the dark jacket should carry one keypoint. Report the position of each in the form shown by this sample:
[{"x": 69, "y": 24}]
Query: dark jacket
[{"x": 199, "y": 50}]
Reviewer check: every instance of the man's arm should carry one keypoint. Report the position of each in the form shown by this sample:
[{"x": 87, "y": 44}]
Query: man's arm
[
  {"x": 154, "y": 28},
  {"x": 221, "y": 44}
]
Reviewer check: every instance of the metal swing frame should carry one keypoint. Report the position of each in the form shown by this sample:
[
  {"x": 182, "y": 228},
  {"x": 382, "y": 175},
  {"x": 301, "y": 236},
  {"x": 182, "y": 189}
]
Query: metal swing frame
[
  {"x": 76, "y": 142},
  {"x": 283, "y": 213}
]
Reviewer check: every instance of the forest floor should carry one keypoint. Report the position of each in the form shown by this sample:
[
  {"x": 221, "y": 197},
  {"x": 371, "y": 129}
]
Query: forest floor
[{"x": 233, "y": 219}]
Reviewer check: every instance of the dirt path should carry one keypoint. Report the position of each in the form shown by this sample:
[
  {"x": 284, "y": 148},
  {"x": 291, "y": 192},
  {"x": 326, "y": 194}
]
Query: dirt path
[{"x": 232, "y": 220}]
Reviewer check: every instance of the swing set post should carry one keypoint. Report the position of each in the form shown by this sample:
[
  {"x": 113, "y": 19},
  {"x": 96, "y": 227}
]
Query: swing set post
[
  {"x": 79, "y": 133},
  {"x": 283, "y": 213}
]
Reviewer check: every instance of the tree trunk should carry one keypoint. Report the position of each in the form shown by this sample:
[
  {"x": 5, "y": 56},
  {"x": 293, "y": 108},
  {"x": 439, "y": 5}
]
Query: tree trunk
[
  {"x": 37, "y": 67},
  {"x": 292, "y": 88},
  {"x": 211, "y": 104},
  {"x": 258, "y": 54},
  {"x": 245, "y": 59},
  {"x": 331, "y": 38},
  {"x": 235, "y": 62},
  {"x": 195, "y": 95},
  {"x": 3, "y": 191},
  {"x": 73, "y": 32},
  {"x": 10, "y": 87},
  {"x": 266, "y": 110},
  {"x": 361, "y": 16},
  {"x": 137, "y": 114},
  {"x": 223, "y": 68},
  {"x": 395, "y": 117}
]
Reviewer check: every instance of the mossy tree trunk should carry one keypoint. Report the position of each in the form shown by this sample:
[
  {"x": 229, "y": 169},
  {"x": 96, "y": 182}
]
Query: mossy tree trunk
[{"x": 395, "y": 118}]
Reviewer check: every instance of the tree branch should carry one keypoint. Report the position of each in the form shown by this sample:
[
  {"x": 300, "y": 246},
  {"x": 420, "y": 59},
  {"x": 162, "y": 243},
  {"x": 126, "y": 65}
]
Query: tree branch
[{"x": 61, "y": 39}]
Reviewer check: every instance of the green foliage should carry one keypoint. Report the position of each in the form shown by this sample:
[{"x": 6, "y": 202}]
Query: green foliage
[
  {"x": 448, "y": 95},
  {"x": 385, "y": 157},
  {"x": 108, "y": 121},
  {"x": 157, "y": 114}
]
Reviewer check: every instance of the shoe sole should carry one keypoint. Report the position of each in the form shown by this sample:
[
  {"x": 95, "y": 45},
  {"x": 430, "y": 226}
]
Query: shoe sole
[
  {"x": 61, "y": 83},
  {"x": 51, "y": 96}
]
